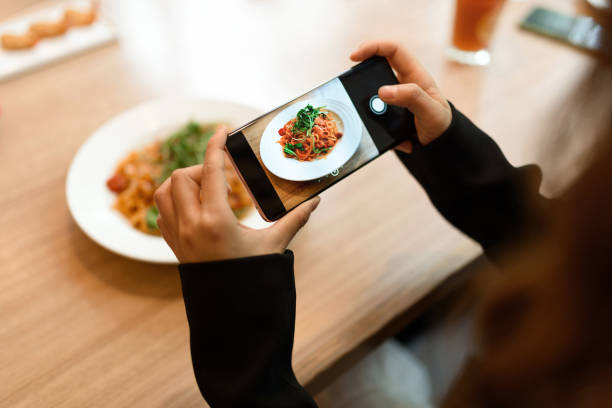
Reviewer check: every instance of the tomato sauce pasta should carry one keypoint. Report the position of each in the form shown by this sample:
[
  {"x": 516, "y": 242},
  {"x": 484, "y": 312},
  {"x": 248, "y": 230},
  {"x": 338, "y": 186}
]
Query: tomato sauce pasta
[
  {"x": 311, "y": 135},
  {"x": 140, "y": 173}
]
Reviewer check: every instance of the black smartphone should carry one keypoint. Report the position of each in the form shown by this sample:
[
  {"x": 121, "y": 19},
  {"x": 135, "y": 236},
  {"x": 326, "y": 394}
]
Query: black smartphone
[
  {"x": 305, "y": 146},
  {"x": 579, "y": 31}
]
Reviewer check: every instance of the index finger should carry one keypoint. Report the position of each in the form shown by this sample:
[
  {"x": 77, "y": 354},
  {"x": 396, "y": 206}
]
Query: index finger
[
  {"x": 407, "y": 67},
  {"x": 213, "y": 183}
]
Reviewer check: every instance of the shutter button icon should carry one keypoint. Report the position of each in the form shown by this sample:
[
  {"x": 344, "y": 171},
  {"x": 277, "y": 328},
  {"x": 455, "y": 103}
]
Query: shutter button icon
[{"x": 377, "y": 105}]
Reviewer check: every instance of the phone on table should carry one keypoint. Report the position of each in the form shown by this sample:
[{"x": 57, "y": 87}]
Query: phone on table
[
  {"x": 305, "y": 146},
  {"x": 579, "y": 31}
]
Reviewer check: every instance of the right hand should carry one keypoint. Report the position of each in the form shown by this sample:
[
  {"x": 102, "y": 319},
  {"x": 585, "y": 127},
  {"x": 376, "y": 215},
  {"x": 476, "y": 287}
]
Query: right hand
[{"x": 417, "y": 91}]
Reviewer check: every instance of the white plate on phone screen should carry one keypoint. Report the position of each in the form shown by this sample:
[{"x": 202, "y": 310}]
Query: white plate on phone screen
[
  {"x": 291, "y": 169},
  {"x": 88, "y": 197}
]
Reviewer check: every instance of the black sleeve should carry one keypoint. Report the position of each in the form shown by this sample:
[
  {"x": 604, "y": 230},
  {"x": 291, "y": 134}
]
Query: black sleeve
[
  {"x": 470, "y": 182},
  {"x": 241, "y": 315}
]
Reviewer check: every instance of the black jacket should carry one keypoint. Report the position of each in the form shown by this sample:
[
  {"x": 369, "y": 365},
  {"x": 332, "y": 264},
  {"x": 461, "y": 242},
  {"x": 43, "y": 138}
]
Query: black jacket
[{"x": 241, "y": 312}]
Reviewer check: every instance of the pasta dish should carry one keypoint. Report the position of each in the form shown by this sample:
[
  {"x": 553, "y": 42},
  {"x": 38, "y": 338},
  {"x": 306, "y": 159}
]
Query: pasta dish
[
  {"x": 311, "y": 135},
  {"x": 140, "y": 173}
]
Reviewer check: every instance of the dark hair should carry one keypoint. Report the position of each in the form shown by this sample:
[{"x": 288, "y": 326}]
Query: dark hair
[{"x": 545, "y": 327}]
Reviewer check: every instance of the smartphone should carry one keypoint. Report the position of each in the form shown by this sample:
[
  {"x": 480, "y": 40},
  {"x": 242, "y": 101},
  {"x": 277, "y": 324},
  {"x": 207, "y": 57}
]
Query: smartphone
[
  {"x": 305, "y": 146},
  {"x": 579, "y": 31}
]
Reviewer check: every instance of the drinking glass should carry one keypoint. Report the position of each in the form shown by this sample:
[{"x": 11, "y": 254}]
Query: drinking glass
[{"x": 475, "y": 22}]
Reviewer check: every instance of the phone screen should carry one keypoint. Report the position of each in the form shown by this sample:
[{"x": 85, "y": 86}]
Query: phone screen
[{"x": 301, "y": 148}]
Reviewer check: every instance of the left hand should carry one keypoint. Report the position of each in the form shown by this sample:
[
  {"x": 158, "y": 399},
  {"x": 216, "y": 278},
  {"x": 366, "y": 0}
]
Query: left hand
[{"x": 197, "y": 222}]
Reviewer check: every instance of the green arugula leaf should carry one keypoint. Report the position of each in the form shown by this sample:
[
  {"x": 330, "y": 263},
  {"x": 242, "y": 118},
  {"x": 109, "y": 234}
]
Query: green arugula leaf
[
  {"x": 306, "y": 119},
  {"x": 305, "y": 122},
  {"x": 151, "y": 217},
  {"x": 184, "y": 148},
  {"x": 289, "y": 151}
]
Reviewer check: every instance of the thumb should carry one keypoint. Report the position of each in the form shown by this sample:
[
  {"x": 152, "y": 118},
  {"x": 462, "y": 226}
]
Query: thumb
[
  {"x": 285, "y": 229},
  {"x": 412, "y": 97},
  {"x": 431, "y": 116}
]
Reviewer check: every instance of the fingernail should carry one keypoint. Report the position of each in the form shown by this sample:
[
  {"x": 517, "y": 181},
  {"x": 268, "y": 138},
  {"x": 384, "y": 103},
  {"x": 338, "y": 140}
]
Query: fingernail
[
  {"x": 387, "y": 92},
  {"x": 316, "y": 202}
]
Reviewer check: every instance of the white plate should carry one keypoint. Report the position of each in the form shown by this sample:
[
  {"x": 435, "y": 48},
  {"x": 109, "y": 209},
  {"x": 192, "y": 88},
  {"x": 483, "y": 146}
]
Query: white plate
[
  {"x": 48, "y": 50},
  {"x": 89, "y": 199},
  {"x": 291, "y": 169}
]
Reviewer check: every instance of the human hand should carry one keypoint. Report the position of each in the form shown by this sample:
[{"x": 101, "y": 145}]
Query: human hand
[
  {"x": 417, "y": 91},
  {"x": 197, "y": 222}
]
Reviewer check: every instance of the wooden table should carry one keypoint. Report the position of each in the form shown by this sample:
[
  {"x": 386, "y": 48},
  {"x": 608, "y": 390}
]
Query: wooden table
[{"x": 81, "y": 326}]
